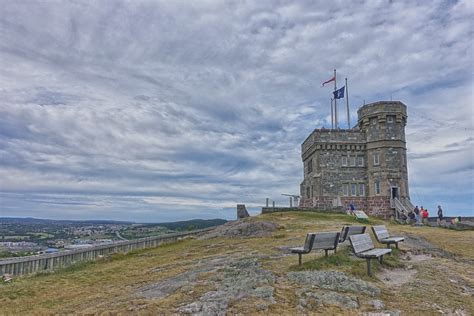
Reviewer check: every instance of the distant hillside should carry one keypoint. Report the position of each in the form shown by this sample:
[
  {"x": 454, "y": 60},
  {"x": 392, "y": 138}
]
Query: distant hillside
[
  {"x": 180, "y": 225},
  {"x": 32, "y": 220},
  {"x": 193, "y": 224}
]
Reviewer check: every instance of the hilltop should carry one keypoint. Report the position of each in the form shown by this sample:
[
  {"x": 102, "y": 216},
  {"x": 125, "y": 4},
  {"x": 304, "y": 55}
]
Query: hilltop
[{"x": 246, "y": 267}]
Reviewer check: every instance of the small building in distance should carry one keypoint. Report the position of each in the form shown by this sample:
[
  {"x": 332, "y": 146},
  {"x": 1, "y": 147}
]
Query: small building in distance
[{"x": 365, "y": 165}]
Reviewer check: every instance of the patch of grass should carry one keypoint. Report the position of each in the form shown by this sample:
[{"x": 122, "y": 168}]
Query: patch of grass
[
  {"x": 393, "y": 260},
  {"x": 77, "y": 266},
  {"x": 363, "y": 221},
  {"x": 279, "y": 236},
  {"x": 337, "y": 260},
  {"x": 326, "y": 216}
]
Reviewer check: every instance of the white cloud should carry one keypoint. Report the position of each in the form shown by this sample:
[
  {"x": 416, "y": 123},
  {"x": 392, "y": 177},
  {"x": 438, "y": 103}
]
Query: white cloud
[{"x": 198, "y": 105}]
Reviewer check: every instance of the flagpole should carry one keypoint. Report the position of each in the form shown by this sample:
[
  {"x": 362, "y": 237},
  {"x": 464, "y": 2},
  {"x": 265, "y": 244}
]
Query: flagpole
[
  {"x": 347, "y": 105},
  {"x": 332, "y": 117},
  {"x": 335, "y": 100}
]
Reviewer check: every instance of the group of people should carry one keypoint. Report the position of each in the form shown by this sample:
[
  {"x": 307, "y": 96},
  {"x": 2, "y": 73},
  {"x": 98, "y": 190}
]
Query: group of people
[{"x": 420, "y": 215}]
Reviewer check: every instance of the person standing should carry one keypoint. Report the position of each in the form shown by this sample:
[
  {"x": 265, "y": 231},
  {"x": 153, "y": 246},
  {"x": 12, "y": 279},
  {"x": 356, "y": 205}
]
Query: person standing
[
  {"x": 417, "y": 214},
  {"x": 425, "y": 217},
  {"x": 440, "y": 213}
]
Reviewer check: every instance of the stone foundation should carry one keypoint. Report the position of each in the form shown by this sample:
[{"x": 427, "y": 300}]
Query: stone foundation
[
  {"x": 317, "y": 202},
  {"x": 379, "y": 206},
  {"x": 374, "y": 206}
]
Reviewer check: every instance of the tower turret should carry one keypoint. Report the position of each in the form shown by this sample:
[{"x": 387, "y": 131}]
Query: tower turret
[{"x": 384, "y": 126}]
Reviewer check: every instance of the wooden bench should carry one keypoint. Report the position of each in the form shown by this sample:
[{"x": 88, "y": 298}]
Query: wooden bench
[
  {"x": 308, "y": 245},
  {"x": 383, "y": 237},
  {"x": 326, "y": 241},
  {"x": 364, "y": 248},
  {"x": 349, "y": 231}
]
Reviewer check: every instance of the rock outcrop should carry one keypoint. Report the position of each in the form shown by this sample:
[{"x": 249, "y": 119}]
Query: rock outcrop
[{"x": 242, "y": 211}]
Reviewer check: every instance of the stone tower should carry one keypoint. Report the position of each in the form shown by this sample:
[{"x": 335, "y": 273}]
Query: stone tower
[
  {"x": 383, "y": 124},
  {"x": 365, "y": 165}
]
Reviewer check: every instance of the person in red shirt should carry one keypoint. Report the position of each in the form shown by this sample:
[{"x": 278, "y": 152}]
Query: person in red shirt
[{"x": 425, "y": 216}]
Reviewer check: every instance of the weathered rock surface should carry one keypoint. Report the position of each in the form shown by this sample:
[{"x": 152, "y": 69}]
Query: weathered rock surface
[
  {"x": 383, "y": 313},
  {"x": 189, "y": 278},
  {"x": 242, "y": 229},
  {"x": 233, "y": 279},
  {"x": 333, "y": 280},
  {"x": 239, "y": 280},
  {"x": 309, "y": 299},
  {"x": 377, "y": 304}
]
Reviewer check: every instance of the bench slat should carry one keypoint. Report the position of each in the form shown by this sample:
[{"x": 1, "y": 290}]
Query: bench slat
[
  {"x": 327, "y": 240},
  {"x": 392, "y": 239},
  {"x": 308, "y": 244},
  {"x": 361, "y": 242},
  {"x": 374, "y": 253},
  {"x": 355, "y": 230},
  {"x": 351, "y": 230},
  {"x": 380, "y": 232}
]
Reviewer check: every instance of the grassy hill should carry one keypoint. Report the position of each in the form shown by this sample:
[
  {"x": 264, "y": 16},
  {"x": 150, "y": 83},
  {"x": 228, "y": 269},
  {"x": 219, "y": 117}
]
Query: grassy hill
[{"x": 431, "y": 273}]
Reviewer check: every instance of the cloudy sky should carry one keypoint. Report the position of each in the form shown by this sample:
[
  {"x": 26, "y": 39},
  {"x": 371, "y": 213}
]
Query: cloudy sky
[{"x": 170, "y": 110}]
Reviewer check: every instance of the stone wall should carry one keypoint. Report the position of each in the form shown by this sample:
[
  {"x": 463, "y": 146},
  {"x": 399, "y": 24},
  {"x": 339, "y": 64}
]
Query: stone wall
[
  {"x": 378, "y": 206},
  {"x": 267, "y": 210}
]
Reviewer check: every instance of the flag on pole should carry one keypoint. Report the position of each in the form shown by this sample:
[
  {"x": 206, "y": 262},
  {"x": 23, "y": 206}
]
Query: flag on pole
[
  {"x": 330, "y": 80},
  {"x": 339, "y": 94}
]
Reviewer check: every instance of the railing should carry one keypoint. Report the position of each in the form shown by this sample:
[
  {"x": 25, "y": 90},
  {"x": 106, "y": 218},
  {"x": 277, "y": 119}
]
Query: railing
[
  {"x": 399, "y": 209},
  {"x": 51, "y": 261},
  {"x": 407, "y": 203}
]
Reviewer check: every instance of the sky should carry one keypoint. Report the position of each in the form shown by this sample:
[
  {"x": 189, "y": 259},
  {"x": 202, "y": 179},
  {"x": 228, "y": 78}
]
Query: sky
[{"x": 156, "y": 111}]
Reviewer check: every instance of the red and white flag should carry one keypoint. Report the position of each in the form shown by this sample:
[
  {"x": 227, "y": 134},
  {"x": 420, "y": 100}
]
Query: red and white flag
[{"x": 330, "y": 80}]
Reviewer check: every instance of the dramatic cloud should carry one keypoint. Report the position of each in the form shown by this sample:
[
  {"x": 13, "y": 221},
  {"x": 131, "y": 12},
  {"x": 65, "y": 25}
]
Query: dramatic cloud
[{"x": 157, "y": 111}]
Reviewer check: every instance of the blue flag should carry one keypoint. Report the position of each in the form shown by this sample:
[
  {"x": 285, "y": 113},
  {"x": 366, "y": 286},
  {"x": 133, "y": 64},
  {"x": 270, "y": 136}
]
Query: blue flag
[{"x": 339, "y": 94}]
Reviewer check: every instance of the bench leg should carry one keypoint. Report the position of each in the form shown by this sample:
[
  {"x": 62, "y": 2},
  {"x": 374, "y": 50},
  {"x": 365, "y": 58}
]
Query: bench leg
[
  {"x": 369, "y": 271},
  {"x": 326, "y": 251},
  {"x": 388, "y": 245},
  {"x": 299, "y": 259},
  {"x": 381, "y": 259},
  {"x": 396, "y": 245}
]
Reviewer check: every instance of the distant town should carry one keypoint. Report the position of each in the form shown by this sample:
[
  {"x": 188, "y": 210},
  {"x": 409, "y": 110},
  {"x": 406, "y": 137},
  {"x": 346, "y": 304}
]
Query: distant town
[{"x": 31, "y": 236}]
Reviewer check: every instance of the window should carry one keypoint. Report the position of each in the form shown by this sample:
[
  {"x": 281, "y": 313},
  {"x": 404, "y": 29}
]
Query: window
[
  {"x": 345, "y": 189},
  {"x": 353, "y": 161},
  {"x": 353, "y": 189},
  {"x": 376, "y": 159},
  {"x": 307, "y": 192},
  {"x": 361, "y": 189},
  {"x": 310, "y": 166},
  {"x": 344, "y": 161},
  {"x": 377, "y": 187},
  {"x": 390, "y": 118},
  {"x": 373, "y": 121},
  {"x": 312, "y": 191},
  {"x": 360, "y": 161}
]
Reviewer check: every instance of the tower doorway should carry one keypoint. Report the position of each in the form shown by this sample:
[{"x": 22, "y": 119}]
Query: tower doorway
[{"x": 394, "y": 194}]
